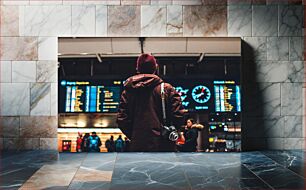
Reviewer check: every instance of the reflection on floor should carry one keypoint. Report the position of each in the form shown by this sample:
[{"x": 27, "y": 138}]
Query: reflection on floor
[{"x": 248, "y": 170}]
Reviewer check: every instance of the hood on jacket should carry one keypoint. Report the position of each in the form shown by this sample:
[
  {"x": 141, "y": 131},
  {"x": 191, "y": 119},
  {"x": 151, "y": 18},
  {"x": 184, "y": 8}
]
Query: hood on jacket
[{"x": 142, "y": 81}]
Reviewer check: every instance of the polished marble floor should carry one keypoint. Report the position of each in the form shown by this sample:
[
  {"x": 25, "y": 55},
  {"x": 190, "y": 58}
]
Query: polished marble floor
[{"x": 247, "y": 170}]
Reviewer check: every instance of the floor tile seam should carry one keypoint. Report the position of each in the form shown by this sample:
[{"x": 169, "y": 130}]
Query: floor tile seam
[
  {"x": 284, "y": 166},
  {"x": 258, "y": 177},
  {"x": 111, "y": 182},
  {"x": 184, "y": 173},
  {"x": 77, "y": 170},
  {"x": 292, "y": 172}
]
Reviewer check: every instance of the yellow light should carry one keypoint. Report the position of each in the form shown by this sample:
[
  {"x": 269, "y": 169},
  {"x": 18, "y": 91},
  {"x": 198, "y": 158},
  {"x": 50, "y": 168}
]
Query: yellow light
[{"x": 211, "y": 140}]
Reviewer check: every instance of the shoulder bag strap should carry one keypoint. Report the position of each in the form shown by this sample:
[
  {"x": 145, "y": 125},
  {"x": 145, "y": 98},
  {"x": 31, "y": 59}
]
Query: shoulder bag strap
[{"x": 163, "y": 102}]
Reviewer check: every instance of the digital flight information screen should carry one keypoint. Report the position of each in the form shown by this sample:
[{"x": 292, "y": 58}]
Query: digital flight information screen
[
  {"x": 208, "y": 95},
  {"x": 90, "y": 96}
]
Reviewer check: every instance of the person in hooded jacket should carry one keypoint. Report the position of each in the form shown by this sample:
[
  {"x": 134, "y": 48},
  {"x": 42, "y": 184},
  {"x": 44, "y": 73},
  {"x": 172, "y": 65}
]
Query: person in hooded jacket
[{"x": 140, "y": 115}]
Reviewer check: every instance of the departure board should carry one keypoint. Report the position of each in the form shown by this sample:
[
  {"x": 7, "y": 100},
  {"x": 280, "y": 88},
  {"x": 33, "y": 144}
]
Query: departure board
[
  {"x": 83, "y": 97},
  {"x": 227, "y": 96}
]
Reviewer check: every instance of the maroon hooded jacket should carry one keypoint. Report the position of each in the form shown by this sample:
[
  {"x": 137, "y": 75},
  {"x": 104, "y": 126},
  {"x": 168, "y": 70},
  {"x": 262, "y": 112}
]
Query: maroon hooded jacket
[{"x": 140, "y": 112}]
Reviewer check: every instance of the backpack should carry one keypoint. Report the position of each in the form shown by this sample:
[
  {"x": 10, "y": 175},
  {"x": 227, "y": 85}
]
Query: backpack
[
  {"x": 119, "y": 144},
  {"x": 94, "y": 142}
]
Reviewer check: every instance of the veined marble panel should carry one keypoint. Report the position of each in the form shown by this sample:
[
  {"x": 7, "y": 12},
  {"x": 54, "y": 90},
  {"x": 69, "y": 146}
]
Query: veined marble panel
[
  {"x": 6, "y": 71},
  {"x": 278, "y": 71},
  {"x": 290, "y": 20},
  {"x": 15, "y": 99},
  {"x": 135, "y": 2},
  {"x": 161, "y": 2},
  {"x": 102, "y": 2},
  {"x": 262, "y": 99},
  {"x": 123, "y": 20},
  {"x": 189, "y": 2},
  {"x": 101, "y": 20},
  {"x": 153, "y": 20},
  {"x": 48, "y": 144},
  {"x": 278, "y": 48},
  {"x": 83, "y": 20},
  {"x": 29, "y": 144},
  {"x": 292, "y": 99},
  {"x": 47, "y": 71},
  {"x": 23, "y": 71},
  {"x": 46, "y": 2},
  {"x": 16, "y": 2},
  {"x": 38, "y": 127},
  {"x": 175, "y": 20},
  {"x": 47, "y": 48},
  {"x": 9, "y": 21},
  {"x": 275, "y": 143},
  {"x": 205, "y": 21},
  {"x": 9, "y": 127},
  {"x": 11, "y": 143},
  {"x": 264, "y": 22},
  {"x": 73, "y": 2},
  {"x": 256, "y": 48},
  {"x": 18, "y": 48},
  {"x": 293, "y": 143},
  {"x": 256, "y": 127},
  {"x": 54, "y": 99},
  {"x": 40, "y": 99},
  {"x": 239, "y": 20},
  {"x": 293, "y": 127},
  {"x": 296, "y": 48},
  {"x": 47, "y": 20}
]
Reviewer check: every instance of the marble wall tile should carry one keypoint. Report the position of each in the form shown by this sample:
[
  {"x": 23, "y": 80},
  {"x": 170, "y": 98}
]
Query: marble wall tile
[
  {"x": 16, "y": 2},
  {"x": 23, "y": 71},
  {"x": 47, "y": 48},
  {"x": 274, "y": 127},
  {"x": 15, "y": 99},
  {"x": 123, "y": 21},
  {"x": 290, "y": 20},
  {"x": 11, "y": 143},
  {"x": 189, "y": 2},
  {"x": 38, "y": 126},
  {"x": 5, "y": 71},
  {"x": 47, "y": 20},
  {"x": 101, "y": 20},
  {"x": 293, "y": 127},
  {"x": 83, "y": 20},
  {"x": 161, "y": 2},
  {"x": 46, "y": 2},
  {"x": 48, "y": 143},
  {"x": 214, "y": 2},
  {"x": 18, "y": 48},
  {"x": 292, "y": 99},
  {"x": 9, "y": 21},
  {"x": 262, "y": 99},
  {"x": 29, "y": 144},
  {"x": 73, "y": 2},
  {"x": 255, "y": 48},
  {"x": 153, "y": 20},
  {"x": 264, "y": 22},
  {"x": 293, "y": 143},
  {"x": 275, "y": 143},
  {"x": 9, "y": 126},
  {"x": 175, "y": 20},
  {"x": 54, "y": 99},
  {"x": 135, "y": 2},
  {"x": 278, "y": 71},
  {"x": 278, "y": 48},
  {"x": 102, "y": 2},
  {"x": 47, "y": 71},
  {"x": 296, "y": 48},
  {"x": 239, "y": 2},
  {"x": 295, "y": 71},
  {"x": 205, "y": 21},
  {"x": 40, "y": 100},
  {"x": 239, "y": 20}
]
